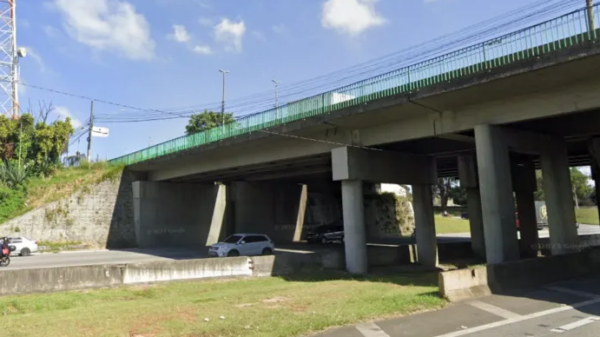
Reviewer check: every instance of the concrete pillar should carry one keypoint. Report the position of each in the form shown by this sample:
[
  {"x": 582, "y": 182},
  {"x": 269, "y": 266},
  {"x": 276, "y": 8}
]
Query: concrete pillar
[
  {"x": 354, "y": 227},
  {"x": 559, "y": 198},
  {"x": 497, "y": 202},
  {"x": 467, "y": 170},
  {"x": 217, "y": 224},
  {"x": 525, "y": 185},
  {"x": 301, "y": 213},
  {"x": 594, "y": 151},
  {"x": 425, "y": 224}
]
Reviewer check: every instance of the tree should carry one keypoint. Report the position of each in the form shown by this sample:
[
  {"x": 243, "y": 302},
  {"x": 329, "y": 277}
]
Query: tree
[
  {"x": 442, "y": 190},
  {"x": 206, "y": 120},
  {"x": 579, "y": 183}
]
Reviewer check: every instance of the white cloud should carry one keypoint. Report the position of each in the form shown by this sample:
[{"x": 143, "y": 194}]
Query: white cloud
[
  {"x": 350, "y": 17},
  {"x": 203, "y": 50},
  {"x": 108, "y": 25},
  {"x": 180, "y": 34},
  {"x": 64, "y": 112},
  {"x": 205, "y": 22},
  {"x": 230, "y": 34}
]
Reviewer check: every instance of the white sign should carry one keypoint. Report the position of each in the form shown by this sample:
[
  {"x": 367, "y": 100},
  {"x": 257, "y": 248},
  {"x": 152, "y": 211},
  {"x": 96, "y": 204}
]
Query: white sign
[{"x": 99, "y": 132}]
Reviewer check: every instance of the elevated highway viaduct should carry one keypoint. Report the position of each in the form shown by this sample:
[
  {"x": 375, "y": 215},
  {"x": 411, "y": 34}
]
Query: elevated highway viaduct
[{"x": 490, "y": 127}]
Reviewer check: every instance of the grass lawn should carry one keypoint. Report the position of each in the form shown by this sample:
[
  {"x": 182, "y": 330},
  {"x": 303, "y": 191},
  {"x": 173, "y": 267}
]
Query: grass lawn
[
  {"x": 587, "y": 215},
  {"x": 251, "y": 307},
  {"x": 451, "y": 225}
]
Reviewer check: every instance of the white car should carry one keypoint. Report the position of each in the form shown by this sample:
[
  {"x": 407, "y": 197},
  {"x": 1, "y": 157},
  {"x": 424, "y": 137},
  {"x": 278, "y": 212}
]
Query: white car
[
  {"x": 24, "y": 246},
  {"x": 243, "y": 245}
]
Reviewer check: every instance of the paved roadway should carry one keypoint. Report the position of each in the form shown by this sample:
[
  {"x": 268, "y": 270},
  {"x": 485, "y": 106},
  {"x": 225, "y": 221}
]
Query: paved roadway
[
  {"x": 568, "y": 309},
  {"x": 133, "y": 255}
]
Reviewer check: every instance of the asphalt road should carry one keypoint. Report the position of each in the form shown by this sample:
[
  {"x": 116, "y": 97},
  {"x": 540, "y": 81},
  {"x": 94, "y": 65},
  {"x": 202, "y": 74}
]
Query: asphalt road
[
  {"x": 101, "y": 257},
  {"x": 569, "y": 308},
  {"x": 134, "y": 256}
]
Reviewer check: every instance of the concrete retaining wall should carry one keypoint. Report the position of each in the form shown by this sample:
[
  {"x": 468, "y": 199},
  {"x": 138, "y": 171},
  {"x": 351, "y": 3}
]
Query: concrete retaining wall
[
  {"x": 59, "y": 279},
  {"x": 458, "y": 285},
  {"x": 163, "y": 271}
]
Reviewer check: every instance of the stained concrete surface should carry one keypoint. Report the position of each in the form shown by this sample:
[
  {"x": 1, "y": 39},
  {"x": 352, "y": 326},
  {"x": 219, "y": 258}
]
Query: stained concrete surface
[{"x": 541, "y": 311}]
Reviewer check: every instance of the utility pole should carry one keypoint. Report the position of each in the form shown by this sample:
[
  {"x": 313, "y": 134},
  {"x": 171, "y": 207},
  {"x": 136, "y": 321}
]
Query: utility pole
[
  {"x": 276, "y": 93},
  {"x": 590, "y": 16},
  {"x": 224, "y": 72},
  {"x": 89, "y": 149}
]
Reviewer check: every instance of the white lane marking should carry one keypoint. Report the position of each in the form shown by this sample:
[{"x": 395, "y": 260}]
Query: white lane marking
[
  {"x": 573, "y": 292},
  {"x": 576, "y": 325},
  {"x": 492, "y": 309},
  {"x": 520, "y": 318},
  {"x": 371, "y": 330}
]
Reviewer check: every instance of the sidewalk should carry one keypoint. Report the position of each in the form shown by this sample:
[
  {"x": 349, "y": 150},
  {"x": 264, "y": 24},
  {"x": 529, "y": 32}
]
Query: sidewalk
[{"x": 482, "y": 316}]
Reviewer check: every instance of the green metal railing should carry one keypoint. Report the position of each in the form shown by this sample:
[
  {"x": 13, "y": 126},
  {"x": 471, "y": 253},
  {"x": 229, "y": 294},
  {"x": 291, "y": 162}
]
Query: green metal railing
[{"x": 557, "y": 34}]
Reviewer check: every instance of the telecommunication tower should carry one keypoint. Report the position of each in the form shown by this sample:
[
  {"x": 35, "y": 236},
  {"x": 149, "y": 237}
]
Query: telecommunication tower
[{"x": 9, "y": 59}]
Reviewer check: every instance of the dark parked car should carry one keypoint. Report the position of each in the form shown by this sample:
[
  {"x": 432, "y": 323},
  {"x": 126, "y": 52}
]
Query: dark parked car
[{"x": 326, "y": 234}]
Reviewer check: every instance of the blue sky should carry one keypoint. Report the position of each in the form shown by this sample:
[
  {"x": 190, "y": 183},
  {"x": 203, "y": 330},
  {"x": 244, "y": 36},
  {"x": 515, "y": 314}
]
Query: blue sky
[{"x": 166, "y": 54}]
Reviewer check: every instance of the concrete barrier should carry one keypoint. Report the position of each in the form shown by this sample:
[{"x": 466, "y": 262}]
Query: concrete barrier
[
  {"x": 163, "y": 271},
  {"x": 458, "y": 285},
  {"x": 59, "y": 279}
]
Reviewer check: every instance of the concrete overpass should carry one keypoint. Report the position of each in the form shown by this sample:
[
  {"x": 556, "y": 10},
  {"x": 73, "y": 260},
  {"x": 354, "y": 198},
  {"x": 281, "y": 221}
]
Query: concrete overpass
[{"x": 489, "y": 121}]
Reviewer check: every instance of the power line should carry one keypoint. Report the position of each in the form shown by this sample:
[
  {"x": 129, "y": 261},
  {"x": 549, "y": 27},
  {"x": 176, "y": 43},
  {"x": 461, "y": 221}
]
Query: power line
[{"x": 256, "y": 102}]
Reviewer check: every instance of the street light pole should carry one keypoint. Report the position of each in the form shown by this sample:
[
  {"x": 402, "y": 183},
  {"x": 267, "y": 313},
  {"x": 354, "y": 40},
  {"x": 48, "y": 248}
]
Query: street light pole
[
  {"x": 224, "y": 72},
  {"x": 276, "y": 93},
  {"x": 590, "y": 16}
]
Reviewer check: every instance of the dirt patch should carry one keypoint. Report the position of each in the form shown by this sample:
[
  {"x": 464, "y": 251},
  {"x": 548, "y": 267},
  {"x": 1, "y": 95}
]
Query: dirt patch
[{"x": 277, "y": 299}]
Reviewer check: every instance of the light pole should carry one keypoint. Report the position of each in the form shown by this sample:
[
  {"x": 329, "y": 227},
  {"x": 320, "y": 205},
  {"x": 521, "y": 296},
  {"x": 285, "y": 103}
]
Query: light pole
[
  {"x": 224, "y": 72},
  {"x": 276, "y": 92},
  {"x": 590, "y": 16}
]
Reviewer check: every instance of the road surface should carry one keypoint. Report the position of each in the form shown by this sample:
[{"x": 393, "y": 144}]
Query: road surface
[
  {"x": 136, "y": 255},
  {"x": 567, "y": 309}
]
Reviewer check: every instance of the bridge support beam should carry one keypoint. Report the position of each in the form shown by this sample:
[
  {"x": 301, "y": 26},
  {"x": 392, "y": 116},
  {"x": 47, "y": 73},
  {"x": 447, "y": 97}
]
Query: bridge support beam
[
  {"x": 353, "y": 166},
  {"x": 525, "y": 184},
  {"x": 497, "y": 201},
  {"x": 467, "y": 171},
  {"x": 559, "y": 198},
  {"x": 355, "y": 240},
  {"x": 172, "y": 214}
]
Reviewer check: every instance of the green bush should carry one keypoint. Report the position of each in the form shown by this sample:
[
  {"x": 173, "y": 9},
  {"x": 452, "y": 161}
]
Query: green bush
[{"x": 11, "y": 201}]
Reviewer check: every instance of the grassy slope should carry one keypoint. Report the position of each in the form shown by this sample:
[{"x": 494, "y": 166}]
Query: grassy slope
[
  {"x": 252, "y": 307},
  {"x": 587, "y": 215},
  {"x": 62, "y": 184},
  {"x": 451, "y": 225}
]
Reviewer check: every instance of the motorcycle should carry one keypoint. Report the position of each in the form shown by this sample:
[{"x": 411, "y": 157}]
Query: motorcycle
[{"x": 5, "y": 259}]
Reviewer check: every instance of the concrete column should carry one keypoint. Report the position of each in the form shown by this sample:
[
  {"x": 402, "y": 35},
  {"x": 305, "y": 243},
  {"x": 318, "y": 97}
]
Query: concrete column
[
  {"x": 525, "y": 184},
  {"x": 425, "y": 224},
  {"x": 559, "y": 198},
  {"x": 497, "y": 202},
  {"x": 594, "y": 151},
  {"x": 354, "y": 226},
  {"x": 301, "y": 213},
  {"x": 217, "y": 224},
  {"x": 467, "y": 170}
]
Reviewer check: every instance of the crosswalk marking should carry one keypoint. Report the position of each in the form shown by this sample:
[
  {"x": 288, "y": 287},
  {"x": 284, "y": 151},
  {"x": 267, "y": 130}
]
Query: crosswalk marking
[
  {"x": 573, "y": 292},
  {"x": 493, "y": 309},
  {"x": 576, "y": 325},
  {"x": 371, "y": 330}
]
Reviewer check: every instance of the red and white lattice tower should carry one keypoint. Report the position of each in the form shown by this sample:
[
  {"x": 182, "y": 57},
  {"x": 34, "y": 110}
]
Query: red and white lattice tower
[{"x": 9, "y": 60}]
